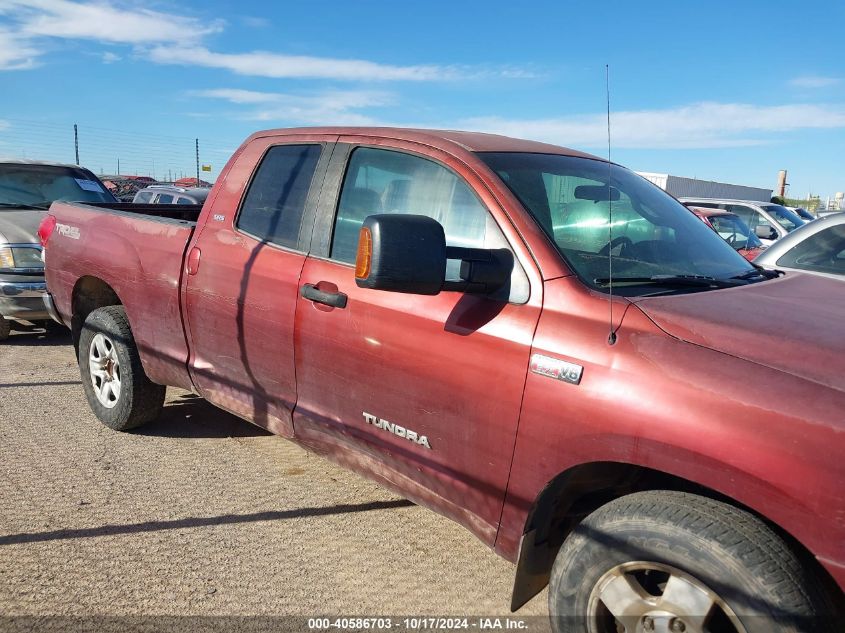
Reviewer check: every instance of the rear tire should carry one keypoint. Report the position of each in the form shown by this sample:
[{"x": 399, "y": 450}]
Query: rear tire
[
  {"x": 5, "y": 328},
  {"x": 118, "y": 391},
  {"x": 728, "y": 571}
]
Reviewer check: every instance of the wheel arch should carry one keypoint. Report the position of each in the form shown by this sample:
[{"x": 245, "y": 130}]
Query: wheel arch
[
  {"x": 582, "y": 489},
  {"x": 89, "y": 294}
]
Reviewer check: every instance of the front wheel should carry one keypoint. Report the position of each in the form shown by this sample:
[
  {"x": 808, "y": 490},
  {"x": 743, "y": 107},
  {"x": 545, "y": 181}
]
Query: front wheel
[
  {"x": 118, "y": 390},
  {"x": 5, "y": 328},
  {"x": 665, "y": 561}
]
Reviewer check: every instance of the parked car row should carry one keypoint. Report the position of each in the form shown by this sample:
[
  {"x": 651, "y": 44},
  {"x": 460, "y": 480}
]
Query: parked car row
[{"x": 767, "y": 220}]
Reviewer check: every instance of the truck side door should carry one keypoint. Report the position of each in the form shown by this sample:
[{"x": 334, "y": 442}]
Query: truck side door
[
  {"x": 425, "y": 390},
  {"x": 243, "y": 278}
]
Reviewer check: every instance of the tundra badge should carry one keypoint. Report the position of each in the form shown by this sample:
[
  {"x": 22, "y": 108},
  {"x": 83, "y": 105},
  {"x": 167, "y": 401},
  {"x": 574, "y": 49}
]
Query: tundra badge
[
  {"x": 556, "y": 368},
  {"x": 397, "y": 430}
]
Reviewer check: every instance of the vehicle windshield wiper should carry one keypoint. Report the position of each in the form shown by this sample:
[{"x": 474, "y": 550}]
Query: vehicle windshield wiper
[
  {"x": 759, "y": 272},
  {"x": 688, "y": 281},
  {"x": 23, "y": 205}
]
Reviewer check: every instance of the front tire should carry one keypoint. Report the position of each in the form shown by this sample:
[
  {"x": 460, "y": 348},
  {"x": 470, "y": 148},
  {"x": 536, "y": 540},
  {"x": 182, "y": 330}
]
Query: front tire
[
  {"x": 673, "y": 561},
  {"x": 118, "y": 391},
  {"x": 5, "y": 328}
]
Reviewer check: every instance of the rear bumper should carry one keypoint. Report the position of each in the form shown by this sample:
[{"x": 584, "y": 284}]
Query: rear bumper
[{"x": 24, "y": 300}]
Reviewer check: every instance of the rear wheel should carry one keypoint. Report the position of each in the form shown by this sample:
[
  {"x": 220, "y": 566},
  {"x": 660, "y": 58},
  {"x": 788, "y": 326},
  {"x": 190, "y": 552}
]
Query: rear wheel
[
  {"x": 675, "y": 562},
  {"x": 118, "y": 391}
]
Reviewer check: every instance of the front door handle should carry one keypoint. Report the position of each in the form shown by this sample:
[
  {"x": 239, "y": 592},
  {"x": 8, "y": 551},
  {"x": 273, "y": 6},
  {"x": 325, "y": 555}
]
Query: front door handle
[{"x": 333, "y": 299}]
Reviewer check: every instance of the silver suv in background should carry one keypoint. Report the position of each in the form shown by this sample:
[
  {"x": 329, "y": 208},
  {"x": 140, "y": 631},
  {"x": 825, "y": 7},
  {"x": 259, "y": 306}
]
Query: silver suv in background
[
  {"x": 767, "y": 220},
  {"x": 171, "y": 194}
]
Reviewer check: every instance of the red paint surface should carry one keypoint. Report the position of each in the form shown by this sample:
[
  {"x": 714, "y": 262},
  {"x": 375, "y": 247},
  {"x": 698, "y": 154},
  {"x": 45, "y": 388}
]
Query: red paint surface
[{"x": 738, "y": 390}]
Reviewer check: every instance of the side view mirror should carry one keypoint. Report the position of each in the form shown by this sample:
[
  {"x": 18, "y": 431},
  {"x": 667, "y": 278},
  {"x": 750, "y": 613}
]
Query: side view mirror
[
  {"x": 765, "y": 232},
  {"x": 408, "y": 253}
]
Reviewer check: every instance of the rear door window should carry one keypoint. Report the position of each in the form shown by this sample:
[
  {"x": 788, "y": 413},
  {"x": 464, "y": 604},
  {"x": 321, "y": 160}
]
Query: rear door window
[
  {"x": 144, "y": 197},
  {"x": 273, "y": 206},
  {"x": 164, "y": 198}
]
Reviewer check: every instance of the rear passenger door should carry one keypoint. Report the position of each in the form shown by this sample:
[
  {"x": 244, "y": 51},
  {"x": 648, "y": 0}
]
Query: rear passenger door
[
  {"x": 243, "y": 278},
  {"x": 420, "y": 392}
]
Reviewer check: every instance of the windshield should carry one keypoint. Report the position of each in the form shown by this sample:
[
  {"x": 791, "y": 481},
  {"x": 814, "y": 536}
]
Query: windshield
[
  {"x": 39, "y": 185},
  {"x": 804, "y": 214},
  {"x": 652, "y": 234},
  {"x": 786, "y": 218},
  {"x": 734, "y": 231}
]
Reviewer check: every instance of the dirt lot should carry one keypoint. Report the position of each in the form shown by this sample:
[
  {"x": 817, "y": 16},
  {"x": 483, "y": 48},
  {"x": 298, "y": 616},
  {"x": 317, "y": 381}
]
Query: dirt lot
[{"x": 202, "y": 514}]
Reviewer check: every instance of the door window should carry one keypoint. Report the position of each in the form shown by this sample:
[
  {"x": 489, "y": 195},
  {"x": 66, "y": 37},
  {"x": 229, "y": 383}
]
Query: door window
[
  {"x": 275, "y": 201},
  {"x": 823, "y": 252},
  {"x": 144, "y": 196},
  {"x": 164, "y": 198},
  {"x": 386, "y": 181}
]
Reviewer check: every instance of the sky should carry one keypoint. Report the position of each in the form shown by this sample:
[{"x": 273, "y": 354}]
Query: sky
[{"x": 721, "y": 90}]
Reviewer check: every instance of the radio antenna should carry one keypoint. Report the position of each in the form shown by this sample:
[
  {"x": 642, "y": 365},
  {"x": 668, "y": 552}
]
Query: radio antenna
[{"x": 611, "y": 338}]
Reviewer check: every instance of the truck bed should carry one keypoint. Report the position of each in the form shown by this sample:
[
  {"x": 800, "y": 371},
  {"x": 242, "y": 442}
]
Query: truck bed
[
  {"x": 187, "y": 212},
  {"x": 137, "y": 252}
]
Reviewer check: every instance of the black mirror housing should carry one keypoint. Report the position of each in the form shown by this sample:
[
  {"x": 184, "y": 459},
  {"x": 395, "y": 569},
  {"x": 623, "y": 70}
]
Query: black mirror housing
[{"x": 401, "y": 253}]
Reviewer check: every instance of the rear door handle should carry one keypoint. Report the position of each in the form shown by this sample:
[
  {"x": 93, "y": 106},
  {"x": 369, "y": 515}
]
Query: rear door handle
[{"x": 333, "y": 299}]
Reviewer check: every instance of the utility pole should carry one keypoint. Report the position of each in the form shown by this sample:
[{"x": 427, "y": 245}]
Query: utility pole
[
  {"x": 782, "y": 183},
  {"x": 197, "y": 145},
  {"x": 76, "y": 142},
  {"x": 118, "y": 165}
]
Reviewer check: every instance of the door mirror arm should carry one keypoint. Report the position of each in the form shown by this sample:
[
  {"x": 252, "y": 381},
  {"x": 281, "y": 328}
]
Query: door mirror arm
[{"x": 483, "y": 270}]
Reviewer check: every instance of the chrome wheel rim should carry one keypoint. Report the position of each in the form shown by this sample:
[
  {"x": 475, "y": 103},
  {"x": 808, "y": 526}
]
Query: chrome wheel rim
[
  {"x": 646, "y": 597},
  {"x": 104, "y": 367}
]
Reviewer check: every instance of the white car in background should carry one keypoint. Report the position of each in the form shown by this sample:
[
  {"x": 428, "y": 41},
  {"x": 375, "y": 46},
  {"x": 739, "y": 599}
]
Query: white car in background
[
  {"x": 818, "y": 248},
  {"x": 768, "y": 221}
]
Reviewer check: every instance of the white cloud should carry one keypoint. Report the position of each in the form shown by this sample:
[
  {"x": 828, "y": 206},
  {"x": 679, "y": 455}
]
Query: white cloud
[
  {"x": 110, "y": 58},
  {"x": 338, "y": 107},
  {"x": 275, "y": 65},
  {"x": 16, "y": 53},
  {"x": 104, "y": 22},
  {"x": 172, "y": 38},
  {"x": 700, "y": 125},
  {"x": 814, "y": 81}
]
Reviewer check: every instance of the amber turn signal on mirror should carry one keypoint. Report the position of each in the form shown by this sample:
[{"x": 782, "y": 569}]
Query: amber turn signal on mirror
[{"x": 365, "y": 254}]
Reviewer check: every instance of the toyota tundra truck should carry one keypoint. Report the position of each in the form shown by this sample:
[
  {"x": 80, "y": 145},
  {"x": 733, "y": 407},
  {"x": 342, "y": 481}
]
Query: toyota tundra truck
[{"x": 532, "y": 341}]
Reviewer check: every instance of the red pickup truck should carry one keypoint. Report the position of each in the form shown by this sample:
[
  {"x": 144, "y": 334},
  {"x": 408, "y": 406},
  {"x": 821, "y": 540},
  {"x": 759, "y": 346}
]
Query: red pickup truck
[{"x": 532, "y": 341}]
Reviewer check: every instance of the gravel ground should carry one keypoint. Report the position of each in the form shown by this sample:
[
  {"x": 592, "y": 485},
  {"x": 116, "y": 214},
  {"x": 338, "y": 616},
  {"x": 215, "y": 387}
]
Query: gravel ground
[{"x": 202, "y": 514}]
